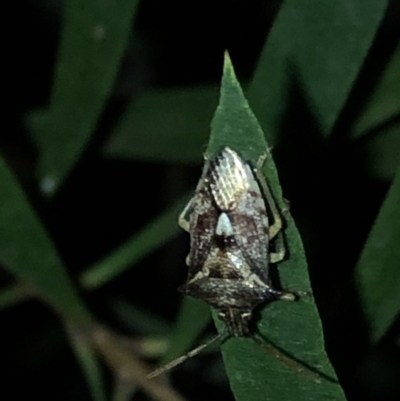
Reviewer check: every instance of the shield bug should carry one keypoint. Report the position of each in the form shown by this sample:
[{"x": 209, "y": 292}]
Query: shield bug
[{"x": 228, "y": 219}]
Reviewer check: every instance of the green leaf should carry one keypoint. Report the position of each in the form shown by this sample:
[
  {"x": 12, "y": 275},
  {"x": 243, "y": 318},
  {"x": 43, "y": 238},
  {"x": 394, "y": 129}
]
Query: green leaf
[
  {"x": 92, "y": 44},
  {"x": 381, "y": 150},
  {"x": 86, "y": 356},
  {"x": 155, "y": 234},
  {"x": 293, "y": 326},
  {"x": 137, "y": 319},
  {"x": 152, "y": 236},
  {"x": 160, "y": 118},
  {"x": 384, "y": 103},
  {"x": 27, "y": 251},
  {"x": 12, "y": 295},
  {"x": 320, "y": 46},
  {"x": 377, "y": 272}
]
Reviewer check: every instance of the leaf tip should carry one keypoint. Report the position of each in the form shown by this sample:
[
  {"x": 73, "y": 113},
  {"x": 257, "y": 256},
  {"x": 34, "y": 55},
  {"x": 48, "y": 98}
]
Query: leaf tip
[{"x": 228, "y": 70}]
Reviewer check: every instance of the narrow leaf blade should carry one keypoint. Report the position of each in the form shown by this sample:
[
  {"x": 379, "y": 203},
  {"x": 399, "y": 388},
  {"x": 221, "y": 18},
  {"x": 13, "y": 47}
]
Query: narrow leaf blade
[
  {"x": 294, "y": 327},
  {"x": 166, "y": 117},
  {"x": 27, "y": 251},
  {"x": 321, "y": 45},
  {"x": 377, "y": 272},
  {"x": 88, "y": 361},
  {"x": 92, "y": 44},
  {"x": 152, "y": 236}
]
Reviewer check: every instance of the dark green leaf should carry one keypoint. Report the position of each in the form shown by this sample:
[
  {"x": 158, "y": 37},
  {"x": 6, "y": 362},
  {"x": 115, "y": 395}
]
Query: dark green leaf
[
  {"x": 162, "y": 229},
  {"x": 293, "y": 326},
  {"x": 92, "y": 44},
  {"x": 320, "y": 46},
  {"x": 157, "y": 120},
  {"x": 377, "y": 272},
  {"x": 137, "y": 319},
  {"x": 156, "y": 233},
  {"x": 86, "y": 355},
  {"x": 385, "y": 100},
  {"x": 27, "y": 251},
  {"x": 381, "y": 150},
  {"x": 12, "y": 295}
]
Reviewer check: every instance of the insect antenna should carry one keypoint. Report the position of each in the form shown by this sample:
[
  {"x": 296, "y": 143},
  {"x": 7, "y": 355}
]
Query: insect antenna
[
  {"x": 183, "y": 358},
  {"x": 288, "y": 361}
]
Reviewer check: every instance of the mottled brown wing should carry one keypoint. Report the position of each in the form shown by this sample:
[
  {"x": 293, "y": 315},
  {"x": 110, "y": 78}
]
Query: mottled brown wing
[
  {"x": 203, "y": 219},
  {"x": 235, "y": 190},
  {"x": 250, "y": 222},
  {"x": 250, "y": 227}
]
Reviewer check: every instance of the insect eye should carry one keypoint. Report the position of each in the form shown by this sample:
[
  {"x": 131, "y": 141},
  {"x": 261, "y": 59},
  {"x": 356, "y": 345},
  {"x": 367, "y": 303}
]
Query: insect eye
[{"x": 230, "y": 240}]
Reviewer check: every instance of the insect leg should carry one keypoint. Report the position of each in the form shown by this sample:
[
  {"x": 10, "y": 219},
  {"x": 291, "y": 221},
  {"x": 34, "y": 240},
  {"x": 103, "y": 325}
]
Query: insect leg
[
  {"x": 183, "y": 358},
  {"x": 280, "y": 250},
  {"x": 183, "y": 220},
  {"x": 276, "y": 227},
  {"x": 283, "y": 295}
]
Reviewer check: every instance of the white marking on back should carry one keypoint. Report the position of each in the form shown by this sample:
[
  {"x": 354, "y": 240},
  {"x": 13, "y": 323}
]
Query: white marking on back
[{"x": 224, "y": 226}]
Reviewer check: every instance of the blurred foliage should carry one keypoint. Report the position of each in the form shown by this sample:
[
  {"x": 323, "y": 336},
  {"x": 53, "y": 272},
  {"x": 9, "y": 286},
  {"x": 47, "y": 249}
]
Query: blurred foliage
[{"x": 111, "y": 108}]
